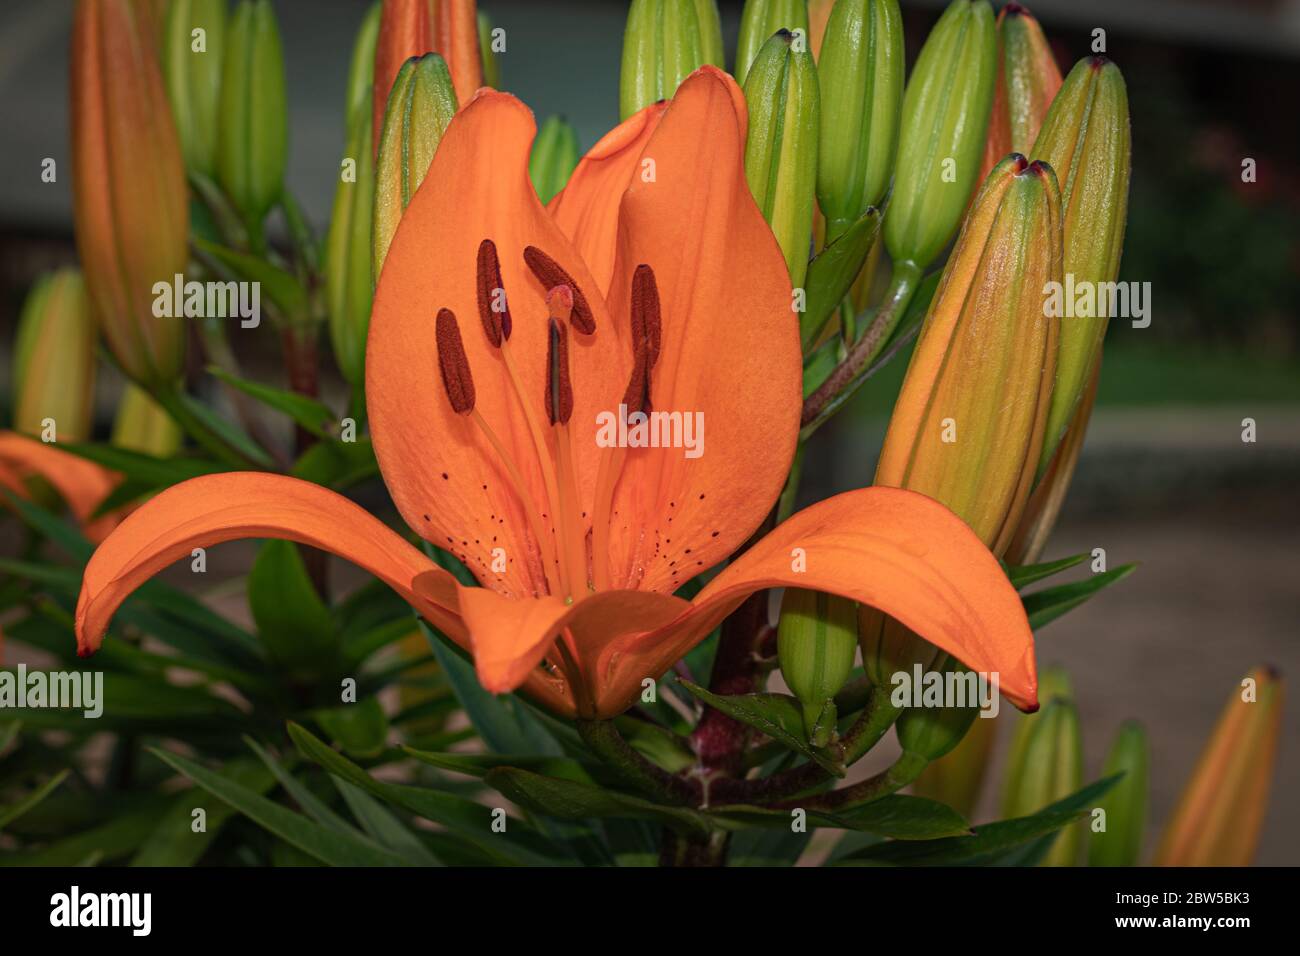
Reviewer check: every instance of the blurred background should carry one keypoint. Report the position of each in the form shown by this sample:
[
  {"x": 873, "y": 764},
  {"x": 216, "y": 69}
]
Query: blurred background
[{"x": 1165, "y": 478}]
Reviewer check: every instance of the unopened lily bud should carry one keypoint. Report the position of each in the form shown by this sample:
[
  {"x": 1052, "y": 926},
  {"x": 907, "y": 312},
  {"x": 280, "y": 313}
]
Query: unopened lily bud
[
  {"x": 554, "y": 157},
  {"x": 420, "y": 106},
  {"x": 361, "y": 70},
  {"x": 816, "y": 641},
  {"x": 349, "y": 285},
  {"x": 456, "y": 40},
  {"x": 491, "y": 63},
  {"x": 759, "y": 20},
  {"x": 411, "y": 28},
  {"x": 955, "y": 778},
  {"x": 128, "y": 180},
  {"x": 1027, "y": 80},
  {"x": 254, "y": 113},
  {"x": 54, "y": 360},
  {"x": 1219, "y": 816},
  {"x": 781, "y": 149},
  {"x": 941, "y": 141},
  {"x": 1052, "y": 770},
  {"x": 664, "y": 42},
  {"x": 191, "y": 57},
  {"x": 861, "y": 72},
  {"x": 932, "y": 732},
  {"x": 1125, "y": 804},
  {"x": 1053, "y": 682},
  {"x": 142, "y": 425},
  {"x": 1085, "y": 138}
]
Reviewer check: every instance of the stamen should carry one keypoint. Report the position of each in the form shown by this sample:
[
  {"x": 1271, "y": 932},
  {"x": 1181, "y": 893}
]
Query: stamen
[
  {"x": 491, "y": 290},
  {"x": 646, "y": 324},
  {"x": 551, "y": 274},
  {"x": 454, "y": 364},
  {"x": 559, "y": 388}
]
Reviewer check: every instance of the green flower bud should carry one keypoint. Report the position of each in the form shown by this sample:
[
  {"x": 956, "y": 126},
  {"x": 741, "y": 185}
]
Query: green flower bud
[
  {"x": 957, "y": 777},
  {"x": 781, "y": 149},
  {"x": 193, "y": 38},
  {"x": 861, "y": 71},
  {"x": 142, "y": 425},
  {"x": 420, "y": 106},
  {"x": 762, "y": 18},
  {"x": 349, "y": 286},
  {"x": 946, "y": 111},
  {"x": 1125, "y": 803},
  {"x": 491, "y": 64},
  {"x": 664, "y": 42},
  {"x": 361, "y": 71},
  {"x": 815, "y": 642},
  {"x": 554, "y": 157},
  {"x": 54, "y": 360},
  {"x": 254, "y": 115},
  {"x": 1053, "y": 682},
  {"x": 931, "y": 732},
  {"x": 1085, "y": 138},
  {"x": 1052, "y": 769}
]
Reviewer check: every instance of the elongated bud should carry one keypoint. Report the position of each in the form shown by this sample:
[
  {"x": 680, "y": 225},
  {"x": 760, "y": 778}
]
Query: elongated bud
[
  {"x": 861, "y": 72},
  {"x": 1053, "y": 682},
  {"x": 1027, "y": 80},
  {"x": 554, "y": 157},
  {"x": 420, "y": 106},
  {"x": 664, "y": 42},
  {"x": 1048, "y": 496},
  {"x": 759, "y": 20},
  {"x": 54, "y": 360},
  {"x": 1086, "y": 140},
  {"x": 1125, "y": 804},
  {"x": 956, "y": 778},
  {"x": 361, "y": 70},
  {"x": 142, "y": 425},
  {"x": 349, "y": 284},
  {"x": 932, "y": 732},
  {"x": 1052, "y": 769},
  {"x": 491, "y": 63},
  {"x": 254, "y": 113},
  {"x": 411, "y": 28},
  {"x": 941, "y": 142},
  {"x": 816, "y": 641},
  {"x": 781, "y": 149},
  {"x": 1219, "y": 816},
  {"x": 129, "y": 193},
  {"x": 193, "y": 42}
]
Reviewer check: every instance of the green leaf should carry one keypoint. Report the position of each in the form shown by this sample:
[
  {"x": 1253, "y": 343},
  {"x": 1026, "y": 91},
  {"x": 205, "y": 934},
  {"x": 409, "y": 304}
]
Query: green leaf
[
  {"x": 63, "y": 533},
  {"x": 897, "y": 816},
  {"x": 1047, "y": 605},
  {"x": 328, "y": 846},
  {"x": 778, "y": 716},
  {"x": 992, "y": 843},
  {"x": 312, "y": 415},
  {"x": 112, "y": 840},
  {"x": 312, "y": 805},
  {"x": 361, "y": 729},
  {"x": 570, "y": 800},
  {"x": 832, "y": 272},
  {"x": 1026, "y": 574},
  {"x": 281, "y": 288},
  {"x": 149, "y": 471},
  {"x": 15, "y": 810},
  {"x": 382, "y": 826},
  {"x": 478, "y": 765},
  {"x": 293, "y": 622},
  {"x": 337, "y": 464},
  {"x": 229, "y": 433}
]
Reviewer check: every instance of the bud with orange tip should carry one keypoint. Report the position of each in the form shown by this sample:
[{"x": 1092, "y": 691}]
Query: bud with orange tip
[
  {"x": 1027, "y": 80},
  {"x": 129, "y": 194},
  {"x": 1220, "y": 814}
]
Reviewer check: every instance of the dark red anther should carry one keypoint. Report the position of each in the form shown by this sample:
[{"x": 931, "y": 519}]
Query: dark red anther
[
  {"x": 492, "y": 306},
  {"x": 559, "y": 389},
  {"x": 454, "y": 364},
  {"x": 646, "y": 324},
  {"x": 550, "y": 274},
  {"x": 637, "y": 396}
]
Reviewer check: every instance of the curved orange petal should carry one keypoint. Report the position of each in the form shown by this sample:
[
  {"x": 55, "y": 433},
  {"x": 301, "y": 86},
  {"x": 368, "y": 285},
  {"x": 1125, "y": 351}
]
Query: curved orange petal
[
  {"x": 205, "y": 511},
  {"x": 730, "y": 345},
  {"x": 894, "y": 550},
  {"x": 82, "y": 484},
  {"x": 587, "y": 208}
]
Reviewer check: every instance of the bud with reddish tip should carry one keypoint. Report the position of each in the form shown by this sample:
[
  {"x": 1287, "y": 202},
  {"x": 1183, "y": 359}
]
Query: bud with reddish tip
[
  {"x": 759, "y": 20},
  {"x": 1085, "y": 138},
  {"x": 1219, "y": 817},
  {"x": 129, "y": 192},
  {"x": 54, "y": 360}
]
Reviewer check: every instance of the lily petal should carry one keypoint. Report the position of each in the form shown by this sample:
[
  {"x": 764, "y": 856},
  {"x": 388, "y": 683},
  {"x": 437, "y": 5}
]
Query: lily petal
[
  {"x": 898, "y": 551},
  {"x": 730, "y": 352},
  {"x": 587, "y": 208},
  {"x": 214, "y": 508},
  {"x": 82, "y": 484}
]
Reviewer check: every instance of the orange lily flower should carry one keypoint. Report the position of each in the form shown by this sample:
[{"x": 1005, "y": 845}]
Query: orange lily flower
[
  {"x": 82, "y": 484},
  {"x": 501, "y": 330}
]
